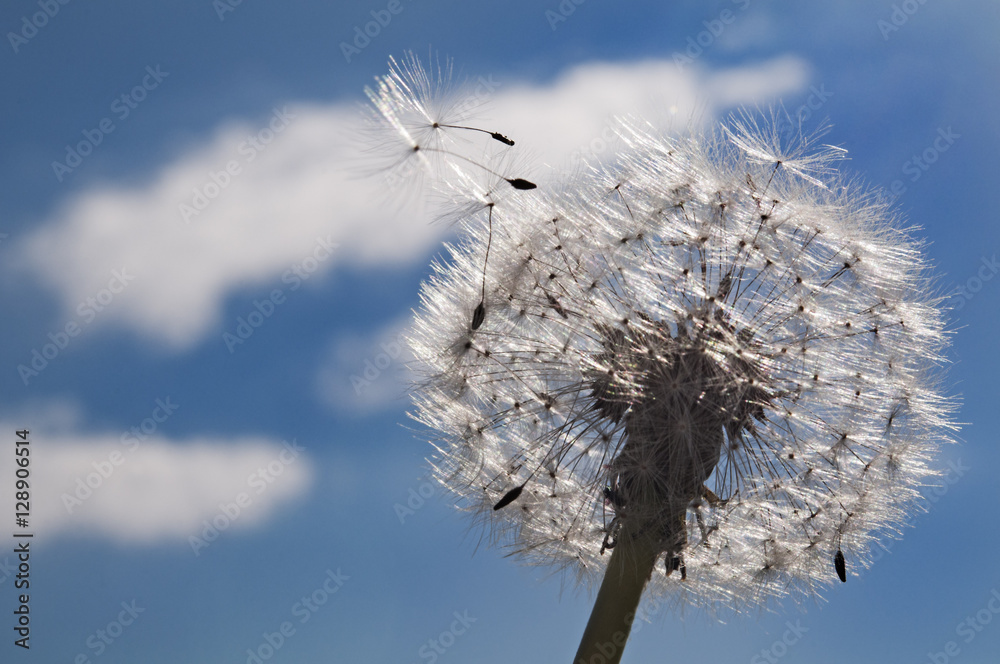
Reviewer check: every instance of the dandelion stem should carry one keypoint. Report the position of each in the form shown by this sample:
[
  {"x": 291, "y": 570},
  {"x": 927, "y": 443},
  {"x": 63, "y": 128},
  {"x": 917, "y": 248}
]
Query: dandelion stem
[
  {"x": 489, "y": 241},
  {"x": 628, "y": 571}
]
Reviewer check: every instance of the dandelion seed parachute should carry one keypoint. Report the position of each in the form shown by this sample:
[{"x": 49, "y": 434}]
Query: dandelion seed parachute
[
  {"x": 714, "y": 341},
  {"x": 425, "y": 111}
]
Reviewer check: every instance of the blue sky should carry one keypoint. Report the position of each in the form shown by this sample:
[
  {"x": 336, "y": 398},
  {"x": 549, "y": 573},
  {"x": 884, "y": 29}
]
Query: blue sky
[{"x": 254, "y": 106}]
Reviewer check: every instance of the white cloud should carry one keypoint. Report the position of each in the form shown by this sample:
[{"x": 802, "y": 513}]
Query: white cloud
[
  {"x": 748, "y": 32},
  {"x": 364, "y": 373},
  {"x": 299, "y": 190},
  {"x": 570, "y": 115},
  {"x": 144, "y": 491}
]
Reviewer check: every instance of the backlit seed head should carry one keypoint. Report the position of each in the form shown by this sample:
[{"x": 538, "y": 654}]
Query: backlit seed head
[{"x": 702, "y": 340}]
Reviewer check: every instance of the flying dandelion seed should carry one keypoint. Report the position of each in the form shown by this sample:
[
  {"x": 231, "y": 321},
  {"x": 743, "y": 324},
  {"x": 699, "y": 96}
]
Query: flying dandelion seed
[
  {"x": 420, "y": 109},
  {"x": 701, "y": 354}
]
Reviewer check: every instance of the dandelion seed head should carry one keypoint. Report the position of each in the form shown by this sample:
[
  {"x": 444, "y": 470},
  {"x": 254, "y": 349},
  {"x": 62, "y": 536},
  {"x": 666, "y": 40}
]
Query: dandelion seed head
[{"x": 733, "y": 357}]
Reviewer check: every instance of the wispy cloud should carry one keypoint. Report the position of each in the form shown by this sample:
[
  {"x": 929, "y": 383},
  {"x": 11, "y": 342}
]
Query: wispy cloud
[
  {"x": 132, "y": 488},
  {"x": 254, "y": 201}
]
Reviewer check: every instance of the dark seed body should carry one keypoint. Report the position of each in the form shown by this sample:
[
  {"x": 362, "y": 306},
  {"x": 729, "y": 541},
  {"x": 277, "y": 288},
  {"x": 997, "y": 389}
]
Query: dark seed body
[
  {"x": 478, "y": 316},
  {"x": 519, "y": 183},
  {"x": 500, "y": 137},
  {"x": 840, "y": 565},
  {"x": 508, "y": 498}
]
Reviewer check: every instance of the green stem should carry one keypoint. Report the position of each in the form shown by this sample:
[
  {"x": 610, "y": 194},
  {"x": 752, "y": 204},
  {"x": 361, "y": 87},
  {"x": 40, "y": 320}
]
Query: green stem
[{"x": 629, "y": 569}]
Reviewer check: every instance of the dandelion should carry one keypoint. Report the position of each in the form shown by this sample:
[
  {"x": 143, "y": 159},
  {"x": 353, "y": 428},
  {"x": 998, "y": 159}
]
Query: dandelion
[
  {"x": 698, "y": 357},
  {"x": 424, "y": 111}
]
